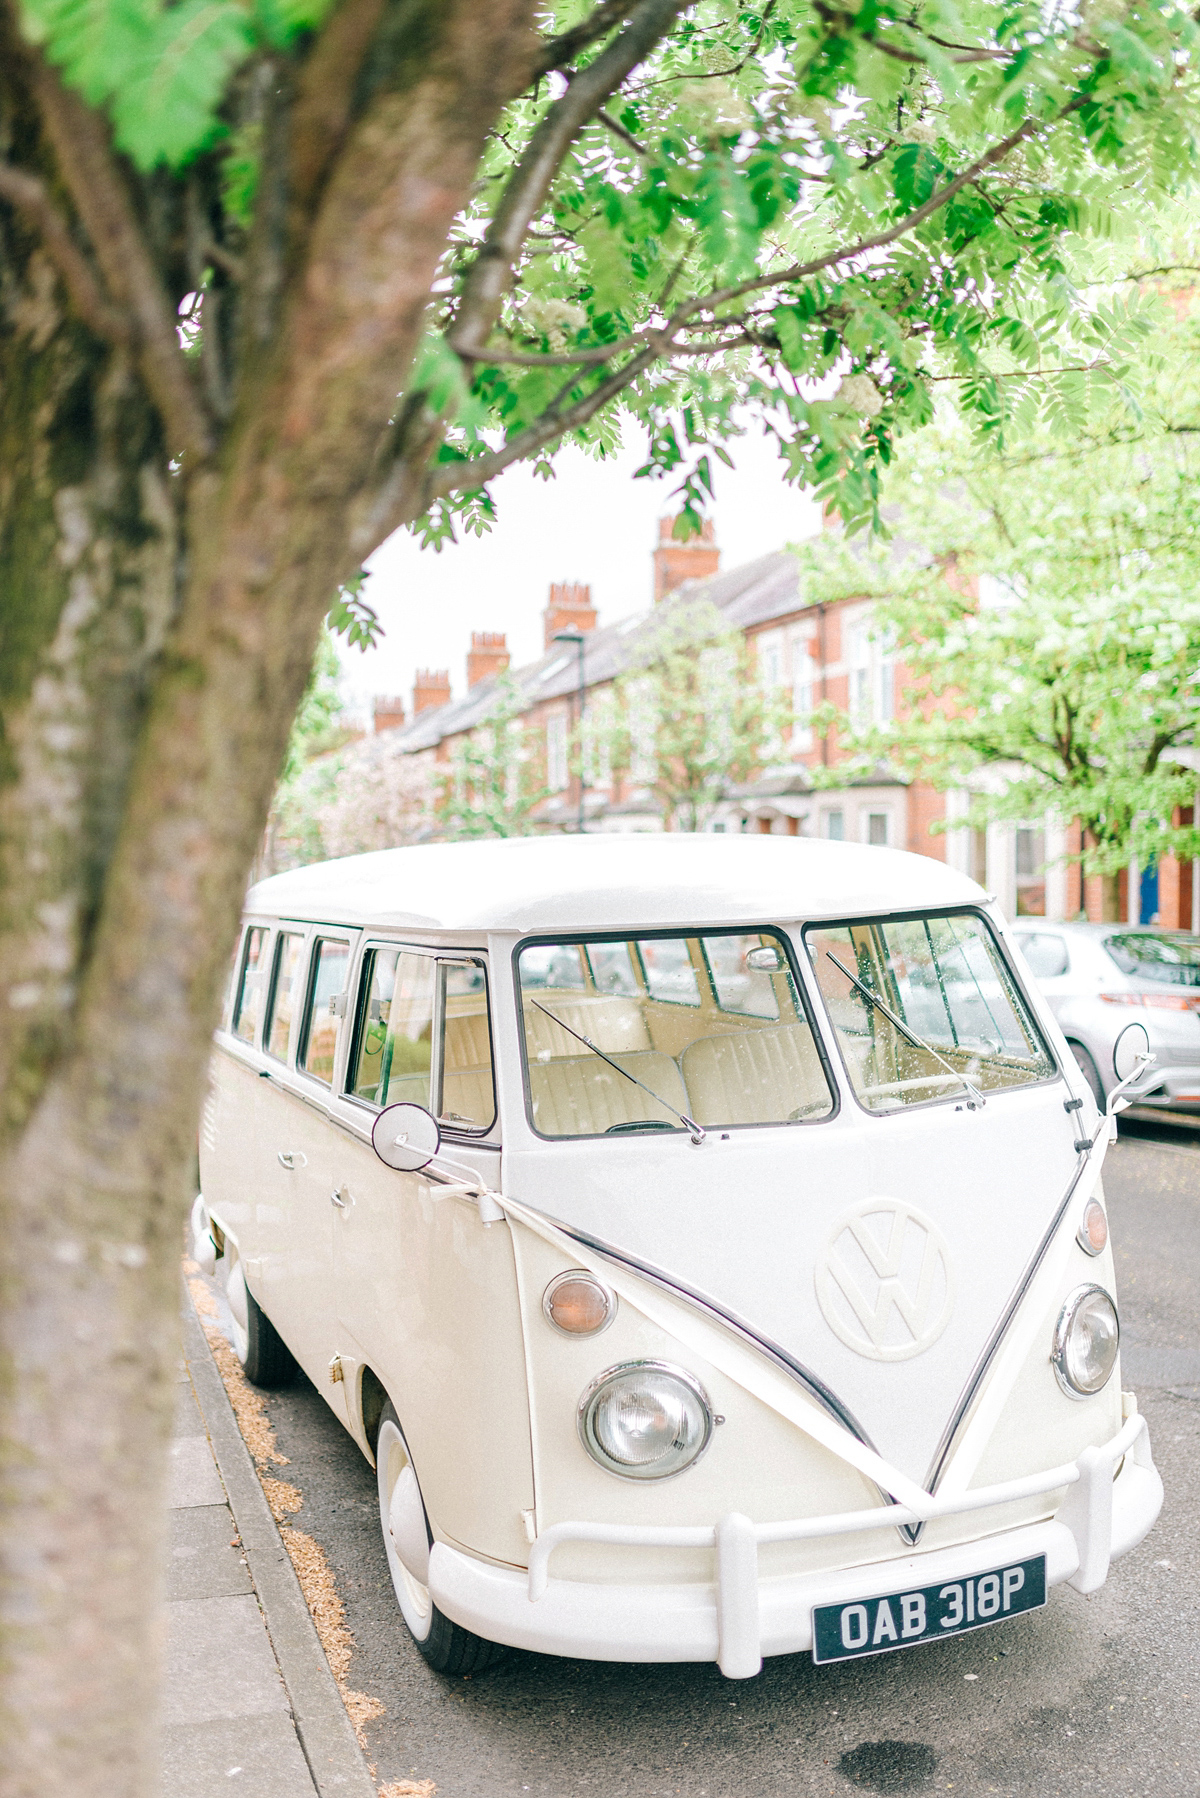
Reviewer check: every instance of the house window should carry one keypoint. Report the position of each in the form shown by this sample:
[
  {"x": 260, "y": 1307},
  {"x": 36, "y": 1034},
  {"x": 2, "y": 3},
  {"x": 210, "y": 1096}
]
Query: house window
[
  {"x": 877, "y": 829},
  {"x": 643, "y": 733},
  {"x": 769, "y": 653},
  {"x": 859, "y": 672},
  {"x": 556, "y": 751},
  {"x": 835, "y": 826},
  {"x": 871, "y": 673},
  {"x": 978, "y": 854},
  {"x": 804, "y": 694},
  {"x": 1031, "y": 872}
]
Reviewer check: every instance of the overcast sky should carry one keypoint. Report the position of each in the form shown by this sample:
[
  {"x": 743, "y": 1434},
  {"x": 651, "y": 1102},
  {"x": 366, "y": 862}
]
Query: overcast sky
[{"x": 595, "y": 523}]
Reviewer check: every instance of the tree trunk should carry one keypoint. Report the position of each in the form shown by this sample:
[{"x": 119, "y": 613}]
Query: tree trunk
[
  {"x": 90, "y": 1197},
  {"x": 157, "y": 629}
]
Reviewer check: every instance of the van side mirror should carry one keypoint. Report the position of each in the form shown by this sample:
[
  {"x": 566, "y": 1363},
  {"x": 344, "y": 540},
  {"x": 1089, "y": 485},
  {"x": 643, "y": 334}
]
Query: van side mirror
[
  {"x": 406, "y": 1137},
  {"x": 764, "y": 960},
  {"x": 1134, "y": 1041}
]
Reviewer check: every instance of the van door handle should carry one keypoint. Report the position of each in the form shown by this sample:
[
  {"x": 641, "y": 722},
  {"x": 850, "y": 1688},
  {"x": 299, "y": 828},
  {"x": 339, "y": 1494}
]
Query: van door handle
[
  {"x": 292, "y": 1158},
  {"x": 335, "y": 1198}
]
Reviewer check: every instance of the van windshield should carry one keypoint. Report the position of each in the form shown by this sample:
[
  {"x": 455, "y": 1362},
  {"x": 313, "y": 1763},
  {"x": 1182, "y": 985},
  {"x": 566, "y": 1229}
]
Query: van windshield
[
  {"x": 649, "y": 1033},
  {"x": 942, "y": 978}
]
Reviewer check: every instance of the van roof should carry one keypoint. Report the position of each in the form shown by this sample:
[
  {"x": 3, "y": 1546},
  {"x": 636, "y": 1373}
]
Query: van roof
[{"x": 609, "y": 882}]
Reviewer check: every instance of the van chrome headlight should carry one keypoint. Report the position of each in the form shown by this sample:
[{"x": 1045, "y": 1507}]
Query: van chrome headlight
[
  {"x": 1086, "y": 1339},
  {"x": 645, "y": 1420}
]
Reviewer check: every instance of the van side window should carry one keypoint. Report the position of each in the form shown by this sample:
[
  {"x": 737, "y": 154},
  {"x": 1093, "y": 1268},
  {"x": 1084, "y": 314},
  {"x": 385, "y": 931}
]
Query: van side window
[
  {"x": 288, "y": 952},
  {"x": 248, "y": 1003},
  {"x": 394, "y": 1053},
  {"x": 468, "y": 1091},
  {"x": 331, "y": 961}
]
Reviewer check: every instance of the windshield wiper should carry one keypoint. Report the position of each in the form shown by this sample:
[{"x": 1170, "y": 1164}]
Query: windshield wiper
[
  {"x": 697, "y": 1130},
  {"x": 977, "y": 1098}
]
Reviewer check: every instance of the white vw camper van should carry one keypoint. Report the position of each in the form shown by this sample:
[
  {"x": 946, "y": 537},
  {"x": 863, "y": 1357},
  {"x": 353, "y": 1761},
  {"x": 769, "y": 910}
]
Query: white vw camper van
[{"x": 704, "y": 1238}]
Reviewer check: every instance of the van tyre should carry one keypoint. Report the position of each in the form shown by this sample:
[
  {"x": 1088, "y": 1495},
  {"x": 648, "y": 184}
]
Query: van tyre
[
  {"x": 265, "y": 1357},
  {"x": 446, "y": 1646}
]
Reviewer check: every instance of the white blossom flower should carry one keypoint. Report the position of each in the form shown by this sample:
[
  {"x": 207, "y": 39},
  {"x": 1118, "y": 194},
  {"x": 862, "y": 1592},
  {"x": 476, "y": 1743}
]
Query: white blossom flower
[{"x": 858, "y": 393}]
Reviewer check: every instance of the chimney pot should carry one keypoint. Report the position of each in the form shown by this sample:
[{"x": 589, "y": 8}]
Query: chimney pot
[
  {"x": 570, "y": 609},
  {"x": 388, "y": 713},
  {"x": 487, "y": 655},
  {"x": 430, "y": 689},
  {"x": 676, "y": 562}
]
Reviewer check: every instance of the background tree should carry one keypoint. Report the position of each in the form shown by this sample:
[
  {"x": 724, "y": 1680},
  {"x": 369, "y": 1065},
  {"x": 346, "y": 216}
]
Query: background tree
[
  {"x": 279, "y": 276},
  {"x": 495, "y": 778},
  {"x": 1046, "y": 606},
  {"x": 691, "y": 718}
]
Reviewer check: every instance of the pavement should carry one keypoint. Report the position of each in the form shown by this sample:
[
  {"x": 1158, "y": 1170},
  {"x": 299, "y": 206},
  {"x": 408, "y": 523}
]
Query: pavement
[{"x": 251, "y": 1704}]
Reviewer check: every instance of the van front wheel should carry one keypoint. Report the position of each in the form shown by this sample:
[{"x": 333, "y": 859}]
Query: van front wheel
[{"x": 446, "y": 1646}]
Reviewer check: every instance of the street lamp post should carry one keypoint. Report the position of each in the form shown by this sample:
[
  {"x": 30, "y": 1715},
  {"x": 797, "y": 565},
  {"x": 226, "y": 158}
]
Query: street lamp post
[{"x": 577, "y": 638}]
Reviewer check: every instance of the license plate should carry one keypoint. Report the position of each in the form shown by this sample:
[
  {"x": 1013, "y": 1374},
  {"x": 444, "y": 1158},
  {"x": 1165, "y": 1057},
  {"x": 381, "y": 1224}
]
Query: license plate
[{"x": 927, "y": 1613}]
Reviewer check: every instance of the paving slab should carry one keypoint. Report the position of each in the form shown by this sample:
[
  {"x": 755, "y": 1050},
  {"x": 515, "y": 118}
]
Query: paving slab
[
  {"x": 194, "y": 1479},
  {"x": 252, "y": 1755},
  {"x": 188, "y": 1421},
  {"x": 219, "y": 1661},
  {"x": 204, "y": 1563}
]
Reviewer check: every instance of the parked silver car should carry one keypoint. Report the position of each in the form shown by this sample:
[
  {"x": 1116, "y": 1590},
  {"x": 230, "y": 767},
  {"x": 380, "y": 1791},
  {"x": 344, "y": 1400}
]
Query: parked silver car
[{"x": 1100, "y": 977}]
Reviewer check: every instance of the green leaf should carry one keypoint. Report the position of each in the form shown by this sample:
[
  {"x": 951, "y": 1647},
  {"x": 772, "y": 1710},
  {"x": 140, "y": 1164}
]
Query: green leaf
[
  {"x": 915, "y": 174},
  {"x": 281, "y": 22},
  {"x": 166, "y": 108}
]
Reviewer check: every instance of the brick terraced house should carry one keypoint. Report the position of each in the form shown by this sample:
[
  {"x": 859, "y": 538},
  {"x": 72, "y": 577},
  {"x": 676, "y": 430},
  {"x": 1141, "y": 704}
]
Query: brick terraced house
[{"x": 817, "y": 652}]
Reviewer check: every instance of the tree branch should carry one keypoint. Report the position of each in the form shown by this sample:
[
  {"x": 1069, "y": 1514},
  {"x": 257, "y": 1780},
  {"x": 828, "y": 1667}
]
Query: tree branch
[
  {"x": 325, "y": 95},
  {"x": 562, "y": 50},
  {"x": 665, "y": 334},
  {"x": 832, "y": 15},
  {"x": 490, "y": 275},
  {"x": 618, "y": 130},
  {"x": 102, "y": 201},
  {"x": 1168, "y": 268},
  {"x": 27, "y": 195},
  {"x": 801, "y": 270},
  {"x": 450, "y": 477}
]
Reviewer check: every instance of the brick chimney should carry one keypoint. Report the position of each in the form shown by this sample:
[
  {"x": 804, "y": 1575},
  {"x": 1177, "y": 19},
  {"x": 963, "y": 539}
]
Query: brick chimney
[
  {"x": 487, "y": 656},
  {"x": 389, "y": 713},
  {"x": 430, "y": 689},
  {"x": 676, "y": 562},
  {"x": 570, "y": 609}
]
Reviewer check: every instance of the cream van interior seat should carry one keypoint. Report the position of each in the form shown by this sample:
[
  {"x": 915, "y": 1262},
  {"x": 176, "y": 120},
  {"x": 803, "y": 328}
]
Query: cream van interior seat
[
  {"x": 613, "y": 1022},
  {"x": 580, "y": 1095},
  {"x": 756, "y": 1076}
]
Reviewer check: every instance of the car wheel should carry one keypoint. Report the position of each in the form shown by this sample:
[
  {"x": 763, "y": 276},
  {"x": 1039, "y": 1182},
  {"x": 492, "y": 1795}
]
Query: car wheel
[
  {"x": 1087, "y": 1067},
  {"x": 266, "y": 1359},
  {"x": 446, "y": 1646}
]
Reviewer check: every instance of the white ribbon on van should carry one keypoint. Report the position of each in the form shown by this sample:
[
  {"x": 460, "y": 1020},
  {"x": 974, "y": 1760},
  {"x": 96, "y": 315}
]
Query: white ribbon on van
[
  {"x": 730, "y": 1357},
  {"x": 760, "y": 1378}
]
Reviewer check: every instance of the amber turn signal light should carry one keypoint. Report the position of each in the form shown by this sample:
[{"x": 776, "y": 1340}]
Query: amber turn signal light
[
  {"x": 579, "y": 1304},
  {"x": 1092, "y": 1235}
]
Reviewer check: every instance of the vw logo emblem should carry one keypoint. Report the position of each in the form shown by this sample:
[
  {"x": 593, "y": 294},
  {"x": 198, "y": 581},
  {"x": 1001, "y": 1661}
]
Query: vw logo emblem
[{"x": 885, "y": 1283}]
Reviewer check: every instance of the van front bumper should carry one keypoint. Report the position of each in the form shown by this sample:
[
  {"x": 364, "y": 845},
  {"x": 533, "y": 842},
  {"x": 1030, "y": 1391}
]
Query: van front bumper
[{"x": 740, "y": 1617}]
